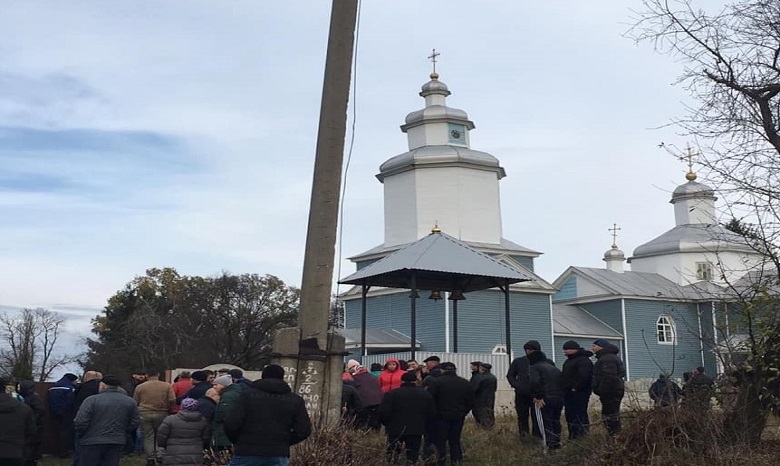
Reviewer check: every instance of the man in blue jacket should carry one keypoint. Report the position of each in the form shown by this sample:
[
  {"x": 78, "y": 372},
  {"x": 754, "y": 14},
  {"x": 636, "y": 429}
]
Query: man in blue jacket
[{"x": 60, "y": 402}]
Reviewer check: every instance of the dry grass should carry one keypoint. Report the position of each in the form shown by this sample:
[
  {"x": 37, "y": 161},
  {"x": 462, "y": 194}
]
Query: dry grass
[{"x": 649, "y": 437}]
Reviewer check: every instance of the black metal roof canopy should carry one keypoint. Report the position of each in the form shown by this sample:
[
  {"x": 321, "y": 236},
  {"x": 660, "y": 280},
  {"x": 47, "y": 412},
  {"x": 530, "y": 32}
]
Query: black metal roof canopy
[{"x": 436, "y": 262}]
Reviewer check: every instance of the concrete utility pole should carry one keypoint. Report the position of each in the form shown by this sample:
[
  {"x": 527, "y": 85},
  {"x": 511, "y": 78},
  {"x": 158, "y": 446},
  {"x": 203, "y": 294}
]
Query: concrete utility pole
[{"x": 312, "y": 357}]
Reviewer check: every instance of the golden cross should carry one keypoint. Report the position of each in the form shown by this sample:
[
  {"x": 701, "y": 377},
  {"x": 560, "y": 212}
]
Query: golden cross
[
  {"x": 614, "y": 231},
  {"x": 432, "y": 58},
  {"x": 689, "y": 155}
]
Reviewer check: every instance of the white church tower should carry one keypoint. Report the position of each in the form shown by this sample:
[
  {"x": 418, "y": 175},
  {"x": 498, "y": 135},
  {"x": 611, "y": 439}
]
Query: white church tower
[
  {"x": 698, "y": 248},
  {"x": 441, "y": 180}
]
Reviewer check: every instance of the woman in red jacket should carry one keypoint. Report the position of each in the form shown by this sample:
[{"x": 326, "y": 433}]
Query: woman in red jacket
[{"x": 390, "y": 378}]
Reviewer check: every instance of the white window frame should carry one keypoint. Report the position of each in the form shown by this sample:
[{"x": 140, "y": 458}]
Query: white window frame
[
  {"x": 665, "y": 331},
  {"x": 704, "y": 271},
  {"x": 499, "y": 349}
]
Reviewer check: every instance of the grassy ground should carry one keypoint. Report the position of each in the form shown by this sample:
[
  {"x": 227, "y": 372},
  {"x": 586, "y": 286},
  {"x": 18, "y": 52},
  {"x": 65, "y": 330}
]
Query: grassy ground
[{"x": 501, "y": 446}]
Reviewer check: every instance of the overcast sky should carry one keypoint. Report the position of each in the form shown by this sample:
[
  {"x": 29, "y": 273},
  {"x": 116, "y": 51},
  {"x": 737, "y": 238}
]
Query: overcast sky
[{"x": 139, "y": 134}]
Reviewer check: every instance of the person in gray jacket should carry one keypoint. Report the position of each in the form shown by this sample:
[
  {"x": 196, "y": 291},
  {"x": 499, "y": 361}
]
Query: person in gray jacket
[
  {"x": 184, "y": 435},
  {"x": 103, "y": 422}
]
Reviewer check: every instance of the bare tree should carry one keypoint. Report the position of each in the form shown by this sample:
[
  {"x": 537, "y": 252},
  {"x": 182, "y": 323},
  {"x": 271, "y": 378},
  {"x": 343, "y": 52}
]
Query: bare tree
[
  {"x": 730, "y": 64},
  {"x": 31, "y": 338}
]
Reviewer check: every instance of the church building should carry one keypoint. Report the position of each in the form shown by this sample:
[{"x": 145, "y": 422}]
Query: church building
[{"x": 662, "y": 313}]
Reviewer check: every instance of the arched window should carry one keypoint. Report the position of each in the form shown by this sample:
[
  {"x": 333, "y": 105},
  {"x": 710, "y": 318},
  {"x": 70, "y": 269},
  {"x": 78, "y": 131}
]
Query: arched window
[{"x": 665, "y": 330}]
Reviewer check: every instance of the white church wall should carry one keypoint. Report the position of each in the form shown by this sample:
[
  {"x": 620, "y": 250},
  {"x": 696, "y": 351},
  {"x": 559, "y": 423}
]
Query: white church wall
[
  {"x": 694, "y": 211},
  {"x": 682, "y": 267},
  {"x": 464, "y": 202},
  {"x": 400, "y": 208}
]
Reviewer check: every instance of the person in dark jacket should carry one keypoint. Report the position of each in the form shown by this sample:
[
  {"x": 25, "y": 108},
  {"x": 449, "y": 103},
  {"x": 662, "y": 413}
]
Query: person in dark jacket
[
  {"x": 136, "y": 378},
  {"x": 367, "y": 386},
  {"x": 608, "y": 375},
  {"x": 200, "y": 384},
  {"x": 17, "y": 427},
  {"x": 431, "y": 370},
  {"x": 350, "y": 400},
  {"x": 547, "y": 392},
  {"x": 207, "y": 405},
  {"x": 518, "y": 377},
  {"x": 454, "y": 398},
  {"x": 184, "y": 436},
  {"x": 90, "y": 385},
  {"x": 60, "y": 405},
  {"x": 405, "y": 413},
  {"x": 229, "y": 393},
  {"x": 577, "y": 378},
  {"x": 664, "y": 392},
  {"x": 697, "y": 392},
  {"x": 102, "y": 423},
  {"x": 485, "y": 397},
  {"x": 266, "y": 421},
  {"x": 238, "y": 377},
  {"x": 26, "y": 389}
]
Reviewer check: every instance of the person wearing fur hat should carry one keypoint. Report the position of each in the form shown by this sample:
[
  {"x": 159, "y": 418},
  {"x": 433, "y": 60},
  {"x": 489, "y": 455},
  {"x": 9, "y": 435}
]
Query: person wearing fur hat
[
  {"x": 608, "y": 375},
  {"x": 405, "y": 413},
  {"x": 184, "y": 435},
  {"x": 519, "y": 378},
  {"x": 370, "y": 392},
  {"x": 577, "y": 378}
]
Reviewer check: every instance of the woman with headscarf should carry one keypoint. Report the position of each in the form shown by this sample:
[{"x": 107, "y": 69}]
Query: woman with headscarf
[{"x": 184, "y": 436}]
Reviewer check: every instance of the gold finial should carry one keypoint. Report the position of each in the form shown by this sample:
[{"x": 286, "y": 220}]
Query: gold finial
[
  {"x": 614, "y": 231},
  {"x": 432, "y": 58},
  {"x": 436, "y": 228},
  {"x": 689, "y": 155}
]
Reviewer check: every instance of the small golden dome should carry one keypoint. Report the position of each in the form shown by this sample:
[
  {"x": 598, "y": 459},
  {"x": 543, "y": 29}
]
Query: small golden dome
[
  {"x": 434, "y": 76},
  {"x": 690, "y": 176}
]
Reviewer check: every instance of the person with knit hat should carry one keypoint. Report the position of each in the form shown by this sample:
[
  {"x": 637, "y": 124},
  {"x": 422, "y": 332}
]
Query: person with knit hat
[
  {"x": 370, "y": 392},
  {"x": 608, "y": 375},
  {"x": 518, "y": 377},
  {"x": 229, "y": 393},
  {"x": 267, "y": 419},
  {"x": 577, "y": 378},
  {"x": 184, "y": 435}
]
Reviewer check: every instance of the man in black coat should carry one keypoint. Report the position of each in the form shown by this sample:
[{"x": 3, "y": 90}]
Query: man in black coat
[
  {"x": 200, "y": 384},
  {"x": 698, "y": 391},
  {"x": 577, "y": 379},
  {"x": 547, "y": 392},
  {"x": 454, "y": 398},
  {"x": 266, "y": 420},
  {"x": 664, "y": 392},
  {"x": 518, "y": 377},
  {"x": 608, "y": 375},
  {"x": 485, "y": 396},
  {"x": 26, "y": 388},
  {"x": 405, "y": 413},
  {"x": 17, "y": 427}
]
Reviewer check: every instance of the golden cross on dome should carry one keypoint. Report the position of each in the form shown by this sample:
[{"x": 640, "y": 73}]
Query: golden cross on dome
[
  {"x": 689, "y": 155},
  {"x": 432, "y": 58},
  {"x": 614, "y": 231}
]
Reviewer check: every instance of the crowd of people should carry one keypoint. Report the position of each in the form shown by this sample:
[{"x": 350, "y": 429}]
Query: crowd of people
[
  {"x": 100, "y": 420},
  {"x": 422, "y": 407}
]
